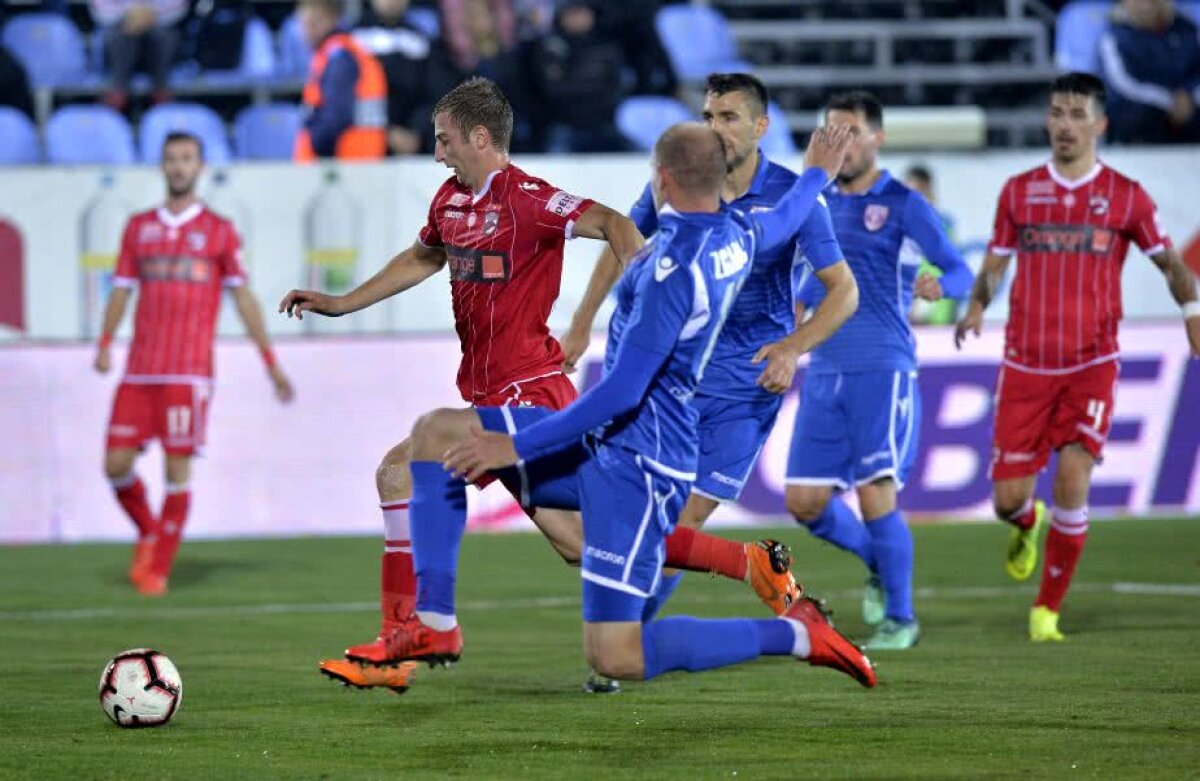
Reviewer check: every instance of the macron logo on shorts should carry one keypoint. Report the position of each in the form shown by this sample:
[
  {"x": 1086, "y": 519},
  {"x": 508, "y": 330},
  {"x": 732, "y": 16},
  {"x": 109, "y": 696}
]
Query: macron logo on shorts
[{"x": 604, "y": 555}]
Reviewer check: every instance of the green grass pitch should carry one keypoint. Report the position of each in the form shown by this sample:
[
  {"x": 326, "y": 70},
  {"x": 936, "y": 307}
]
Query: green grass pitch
[{"x": 247, "y": 621}]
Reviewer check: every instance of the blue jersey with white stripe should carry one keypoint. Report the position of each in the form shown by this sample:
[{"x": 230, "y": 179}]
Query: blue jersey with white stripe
[
  {"x": 764, "y": 311},
  {"x": 673, "y": 301},
  {"x": 877, "y": 231}
]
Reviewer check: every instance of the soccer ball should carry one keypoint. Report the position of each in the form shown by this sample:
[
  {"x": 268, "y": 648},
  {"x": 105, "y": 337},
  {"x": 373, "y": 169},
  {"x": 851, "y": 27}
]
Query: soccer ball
[{"x": 140, "y": 688}]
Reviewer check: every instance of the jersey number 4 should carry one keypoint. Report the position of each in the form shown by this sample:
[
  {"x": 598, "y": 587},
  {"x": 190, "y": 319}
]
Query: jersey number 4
[{"x": 1095, "y": 411}]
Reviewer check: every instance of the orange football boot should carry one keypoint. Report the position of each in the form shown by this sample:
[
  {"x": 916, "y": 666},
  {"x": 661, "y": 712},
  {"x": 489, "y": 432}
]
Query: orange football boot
[
  {"x": 412, "y": 640},
  {"x": 829, "y": 647},
  {"x": 768, "y": 563},
  {"x": 368, "y": 676}
]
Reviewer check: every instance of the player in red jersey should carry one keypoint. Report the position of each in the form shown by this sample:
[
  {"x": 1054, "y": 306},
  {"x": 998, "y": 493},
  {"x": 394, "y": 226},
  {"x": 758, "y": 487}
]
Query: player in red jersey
[
  {"x": 501, "y": 233},
  {"x": 180, "y": 256},
  {"x": 1070, "y": 222}
]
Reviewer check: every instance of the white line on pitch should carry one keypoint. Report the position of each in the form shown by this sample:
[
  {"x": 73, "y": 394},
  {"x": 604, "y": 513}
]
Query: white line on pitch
[{"x": 931, "y": 593}]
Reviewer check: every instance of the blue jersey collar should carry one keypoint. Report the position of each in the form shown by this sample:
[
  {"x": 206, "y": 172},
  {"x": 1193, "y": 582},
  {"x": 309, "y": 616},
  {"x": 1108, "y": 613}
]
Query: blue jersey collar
[
  {"x": 760, "y": 176},
  {"x": 669, "y": 212}
]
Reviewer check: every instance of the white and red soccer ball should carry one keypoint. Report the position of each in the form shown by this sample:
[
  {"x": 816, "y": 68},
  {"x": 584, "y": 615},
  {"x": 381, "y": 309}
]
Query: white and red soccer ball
[{"x": 140, "y": 688}]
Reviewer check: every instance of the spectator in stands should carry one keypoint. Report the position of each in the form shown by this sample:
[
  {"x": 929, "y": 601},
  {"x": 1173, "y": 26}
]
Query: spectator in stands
[
  {"x": 575, "y": 80},
  {"x": 413, "y": 81},
  {"x": 345, "y": 96},
  {"x": 480, "y": 38},
  {"x": 14, "y": 84},
  {"x": 632, "y": 23},
  {"x": 1151, "y": 61},
  {"x": 137, "y": 33}
]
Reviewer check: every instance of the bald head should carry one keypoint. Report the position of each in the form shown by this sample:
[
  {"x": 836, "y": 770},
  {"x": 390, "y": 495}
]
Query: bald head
[{"x": 693, "y": 157}]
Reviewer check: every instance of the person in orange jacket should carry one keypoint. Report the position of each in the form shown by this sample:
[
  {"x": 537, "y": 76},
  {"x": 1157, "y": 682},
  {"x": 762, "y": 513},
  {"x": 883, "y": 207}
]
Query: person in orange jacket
[{"x": 345, "y": 96}]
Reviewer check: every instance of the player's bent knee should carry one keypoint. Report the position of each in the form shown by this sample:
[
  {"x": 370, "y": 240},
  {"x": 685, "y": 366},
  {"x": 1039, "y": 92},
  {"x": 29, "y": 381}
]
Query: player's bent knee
[
  {"x": 616, "y": 663},
  {"x": 118, "y": 464},
  {"x": 435, "y": 431},
  {"x": 393, "y": 479},
  {"x": 806, "y": 503}
]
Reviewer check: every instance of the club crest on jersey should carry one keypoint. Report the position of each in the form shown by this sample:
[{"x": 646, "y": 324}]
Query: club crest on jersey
[
  {"x": 459, "y": 199},
  {"x": 875, "y": 216},
  {"x": 491, "y": 220},
  {"x": 196, "y": 240},
  {"x": 1098, "y": 205}
]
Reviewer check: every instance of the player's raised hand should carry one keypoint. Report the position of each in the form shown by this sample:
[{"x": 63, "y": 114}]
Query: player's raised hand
[
  {"x": 297, "y": 302},
  {"x": 780, "y": 371},
  {"x": 103, "y": 360},
  {"x": 1192, "y": 324},
  {"x": 574, "y": 344},
  {"x": 283, "y": 386},
  {"x": 827, "y": 148},
  {"x": 480, "y": 452},
  {"x": 928, "y": 287},
  {"x": 972, "y": 322}
]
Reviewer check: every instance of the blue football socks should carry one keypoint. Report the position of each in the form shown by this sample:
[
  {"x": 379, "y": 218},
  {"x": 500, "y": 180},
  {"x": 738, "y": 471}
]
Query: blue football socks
[
  {"x": 893, "y": 547},
  {"x": 437, "y": 517},
  {"x": 838, "y": 525},
  {"x": 694, "y": 644}
]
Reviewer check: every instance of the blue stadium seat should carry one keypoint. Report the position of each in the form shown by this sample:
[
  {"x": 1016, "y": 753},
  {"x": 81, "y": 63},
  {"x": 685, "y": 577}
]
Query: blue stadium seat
[
  {"x": 50, "y": 47},
  {"x": 642, "y": 119},
  {"x": 266, "y": 132},
  {"x": 191, "y": 117},
  {"x": 18, "y": 138},
  {"x": 258, "y": 57},
  {"x": 294, "y": 51},
  {"x": 698, "y": 41},
  {"x": 778, "y": 140},
  {"x": 426, "y": 20},
  {"x": 89, "y": 135},
  {"x": 1077, "y": 35}
]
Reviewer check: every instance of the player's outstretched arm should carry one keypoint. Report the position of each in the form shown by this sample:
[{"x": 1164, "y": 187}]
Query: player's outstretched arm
[
  {"x": 114, "y": 312},
  {"x": 575, "y": 341},
  {"x": 622, "y": 235},
  {"x": 840, "y": 302},
  {"x": 411, "y": 267},
  {"x": 924, "y": 225},
  {"x": 250, "y": 313},
  {"x": 822, "y": 160},
  {"x": 987, "y": 282},
  {"x": 1183, "y": 289}
]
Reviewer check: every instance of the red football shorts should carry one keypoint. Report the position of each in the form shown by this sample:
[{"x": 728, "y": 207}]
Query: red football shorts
[
  {"x": 1037, "y": 414},
  {"x": 553, "y": 392},
  {"x": 174, "y": 413}
]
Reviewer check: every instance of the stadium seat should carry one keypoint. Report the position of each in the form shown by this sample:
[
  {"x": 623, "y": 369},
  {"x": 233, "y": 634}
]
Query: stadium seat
[
  {"x": 698, "y": 41},
  {"x": 18, "y": 138},
  {"x": 266, "y": 132},
  {"x": 191, "y": 117},
  {"x": 426, "y": 20},
  {"x": 1077, "y": 35},
  {"x": 778, "y": 140},
  {"x": 294, "y": 52},
  {"x": 89, "y": 135},
  {"x": 642, "y": 119},
  {"x": 258, "y": 57},
  {"x": 49, "y": 46}
]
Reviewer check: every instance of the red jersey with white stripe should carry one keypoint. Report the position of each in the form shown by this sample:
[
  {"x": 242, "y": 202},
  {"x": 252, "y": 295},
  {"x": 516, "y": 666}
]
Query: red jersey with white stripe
[
  {"x": 1070, "y": 239},
  {"x": 180, "y": 264},
  {"x": 504, "y": 246}
]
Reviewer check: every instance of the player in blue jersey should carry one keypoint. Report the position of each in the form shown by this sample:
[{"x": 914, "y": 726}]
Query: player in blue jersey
[
  {"x": 754, "y": 360},
  {"x": 625, "y": 453},
  {"x": 859, "y": 408}
]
